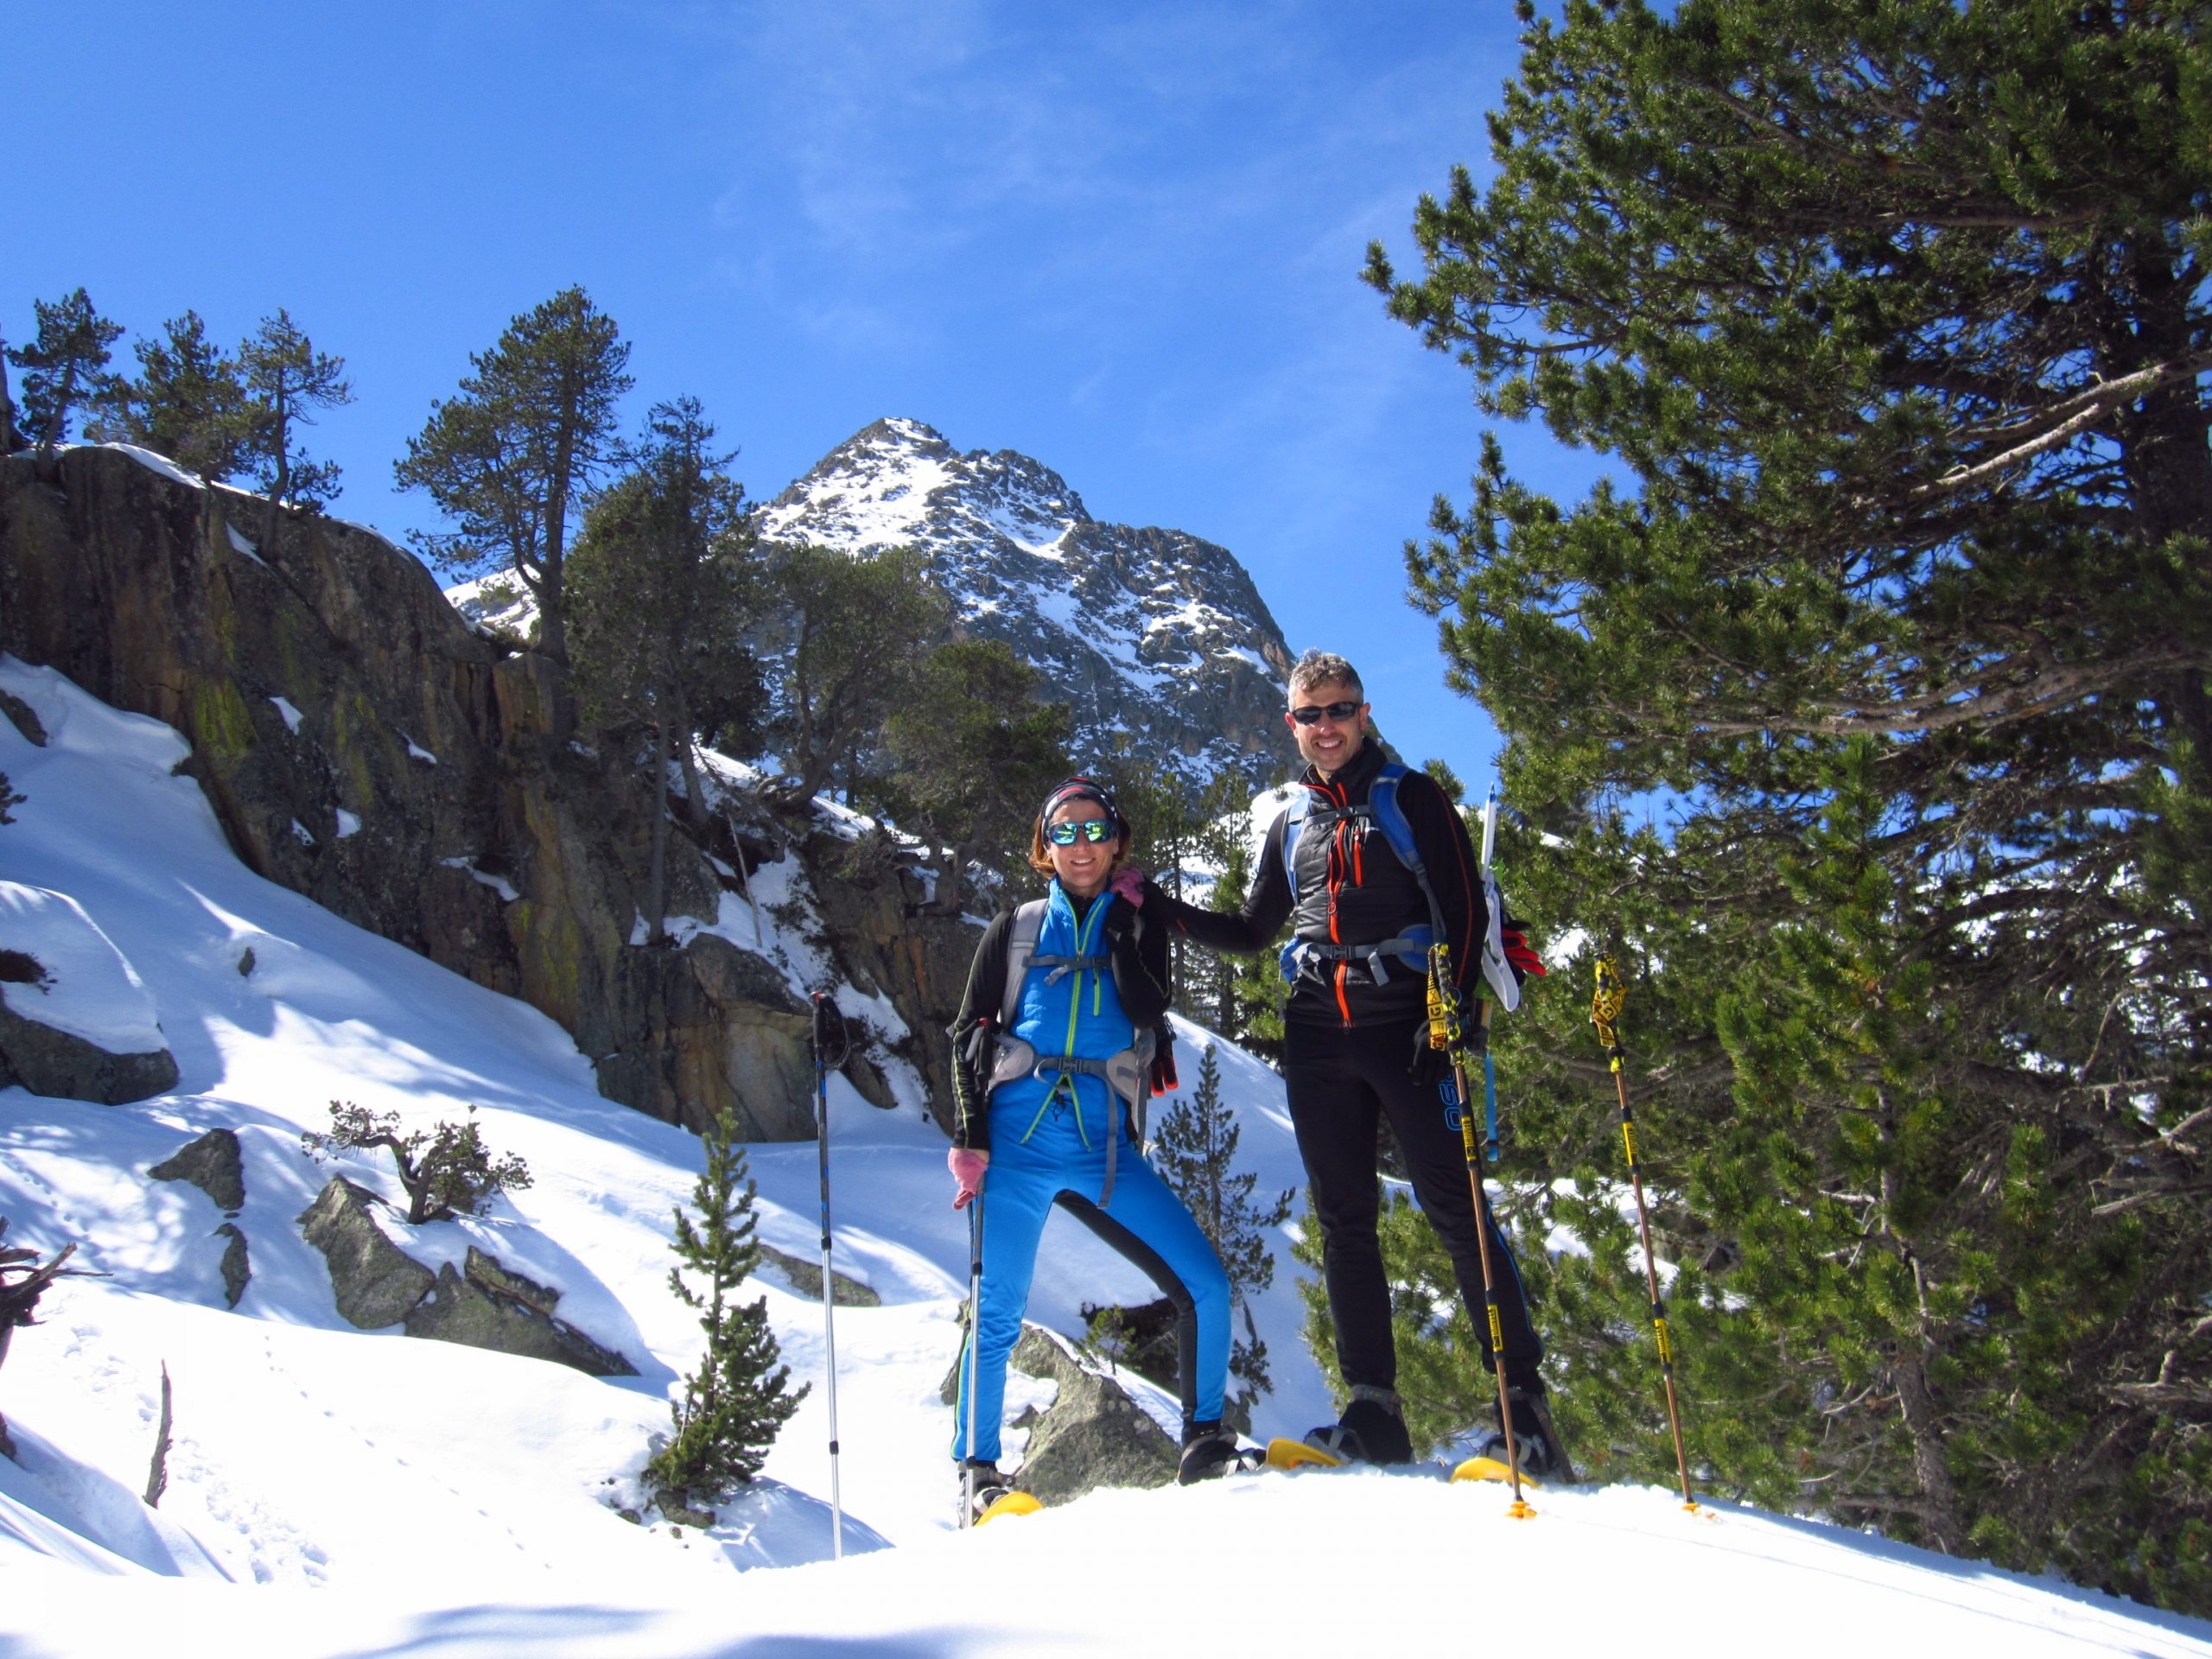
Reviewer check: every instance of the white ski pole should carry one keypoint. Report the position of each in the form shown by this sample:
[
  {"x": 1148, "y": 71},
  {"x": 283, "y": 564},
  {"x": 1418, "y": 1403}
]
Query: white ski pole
[
  {"x": 828, "y": 1282},
  {"x": 975, "y": 1331}
]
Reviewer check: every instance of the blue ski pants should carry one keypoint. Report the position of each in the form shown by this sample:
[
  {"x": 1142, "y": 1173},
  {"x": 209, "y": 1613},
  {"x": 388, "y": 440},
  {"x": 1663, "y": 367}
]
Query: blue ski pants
[{"x": 1145, "y": 1221}]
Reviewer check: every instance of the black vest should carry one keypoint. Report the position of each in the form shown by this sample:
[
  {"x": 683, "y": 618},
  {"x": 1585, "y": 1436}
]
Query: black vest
[{"x": 1353, "y": 890}]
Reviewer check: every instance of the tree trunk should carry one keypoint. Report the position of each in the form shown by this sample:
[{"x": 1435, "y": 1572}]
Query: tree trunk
[
  {"x": 1946, "y": 1531},
  {"x": 157, "y": 1476},
  {"x": 52, "y": 436},
  {"x": 695, "y": 794},
  {"x": 284, "y": 479},
  {"x": 657, "y": 868},
  {"x": 10, "y": 440},
  {"x": 952, "y": 886}
]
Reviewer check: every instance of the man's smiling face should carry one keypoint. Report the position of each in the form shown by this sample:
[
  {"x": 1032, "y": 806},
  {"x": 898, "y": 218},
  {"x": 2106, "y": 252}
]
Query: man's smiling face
[{"x": 1329, "y": 743}]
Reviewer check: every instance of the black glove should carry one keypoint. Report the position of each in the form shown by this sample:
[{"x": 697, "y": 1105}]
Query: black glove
[
  {"x": 1163, "y": 1063},
  {"x": 1430, "y": 1066}
]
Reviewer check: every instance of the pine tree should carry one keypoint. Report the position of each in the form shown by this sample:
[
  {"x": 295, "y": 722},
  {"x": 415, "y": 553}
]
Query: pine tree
[
  {"x": 1181, "y": 824},
  {"x": 972, "y": 752},
  {"x": 1195, "y": 1151},
  {"x": 1248, "y": 992},
  {"x": 283, "y": 378},
  {"x": 65, "y": 368},
  {"x": 187, "y": 402},
  {"x": 11, "y": 436},
  {"x": 1906, "y": 615},
  {"x": 859, "y": 627},
  {"x": 662, "y": 587},
  {"x": 511, "y": 456},
  {"x": 736, "y": 1401}
]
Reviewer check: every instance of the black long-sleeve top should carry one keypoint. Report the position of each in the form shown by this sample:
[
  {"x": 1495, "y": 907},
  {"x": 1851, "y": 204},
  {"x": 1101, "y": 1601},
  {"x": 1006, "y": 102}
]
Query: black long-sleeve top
[
  {"x": 1352, "y": 890},
  {"x": 1141, "y": 980}
]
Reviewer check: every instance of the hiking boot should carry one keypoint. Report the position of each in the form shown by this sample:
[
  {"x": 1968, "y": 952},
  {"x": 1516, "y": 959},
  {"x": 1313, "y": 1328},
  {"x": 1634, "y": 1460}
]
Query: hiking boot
[
  {"x": 1533, "y": 1436},
  {"x": 1209, "y": 1452},
  {"x": 990, "y": 1486},
  {"x": 1370, "y": 1431}
]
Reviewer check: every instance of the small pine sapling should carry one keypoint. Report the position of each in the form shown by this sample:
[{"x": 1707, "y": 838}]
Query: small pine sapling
[
  {"x": 1108, "y": 1336},
  {"x": 1196, "y": 1155},
  {"x": 739, "y": 1397},
  {"x": 447, "y": 1171}
]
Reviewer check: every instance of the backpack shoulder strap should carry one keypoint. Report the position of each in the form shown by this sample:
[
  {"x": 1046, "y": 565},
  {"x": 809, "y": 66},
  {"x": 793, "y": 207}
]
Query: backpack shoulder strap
[
  {"x": 1391, "y": 817},
  {"x": 1021, "y": 945},
  {"x": 1285, "y": 831}
]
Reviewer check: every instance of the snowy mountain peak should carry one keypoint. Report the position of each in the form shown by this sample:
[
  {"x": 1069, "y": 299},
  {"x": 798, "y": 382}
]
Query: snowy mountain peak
[
  {"x": 1151, "y": 635},
  {"x": 881, "y": 487}
]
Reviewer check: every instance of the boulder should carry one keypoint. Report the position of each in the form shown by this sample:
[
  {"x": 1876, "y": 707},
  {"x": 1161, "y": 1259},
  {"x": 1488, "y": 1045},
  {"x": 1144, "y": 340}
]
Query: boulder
[
  {"x": 1093, "y": 1434},
  {"x": 237, "y": 1270},
  {"x": 212, "y": 1164},
  {"x": 805, "y": 1278},
  {"x": 377, "y": 1283},
  {"x": 47, "y": 1061},
  {"x": 75, "y": 1020},
  {"x": 492, "y": 1307}
]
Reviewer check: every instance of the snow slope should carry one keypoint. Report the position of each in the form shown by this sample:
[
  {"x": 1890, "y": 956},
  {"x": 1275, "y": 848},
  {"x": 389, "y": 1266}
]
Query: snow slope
[{"x": 332, "y": 1491}]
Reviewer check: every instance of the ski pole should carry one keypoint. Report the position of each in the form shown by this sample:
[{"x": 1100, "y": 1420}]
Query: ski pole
[
  {"x": 1489, "y": 1061},
  {"x": 1478, "y": 1178},
  {"x": 974, "y": 1324},
  {"x": 1447, "y": 1032},
  {"x": 829, "y": 1283},
  {"x": 1520, "y": 1509},
  {"x": 1605, "y": 1007}
]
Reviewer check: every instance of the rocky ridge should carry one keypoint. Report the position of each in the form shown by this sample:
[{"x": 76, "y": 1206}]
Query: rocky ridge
[{"x": 1149, "y": 635}]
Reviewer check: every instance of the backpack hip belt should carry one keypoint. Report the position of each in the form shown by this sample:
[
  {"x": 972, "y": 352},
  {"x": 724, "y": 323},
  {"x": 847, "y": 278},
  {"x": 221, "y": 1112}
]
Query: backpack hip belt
[
  {"x": 1410, "y": 947},
  {"x": 1123, "y": 1071}
]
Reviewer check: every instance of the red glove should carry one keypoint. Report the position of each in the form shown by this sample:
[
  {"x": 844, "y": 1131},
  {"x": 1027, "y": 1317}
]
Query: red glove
[
  {"x": 967, "y": 1165},
  {"x": 1518, "y": 951},
  {"x": 1128, "y": 883}
]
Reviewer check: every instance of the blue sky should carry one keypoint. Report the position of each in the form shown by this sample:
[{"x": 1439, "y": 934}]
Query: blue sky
[{"x": 1123, "y": 240}]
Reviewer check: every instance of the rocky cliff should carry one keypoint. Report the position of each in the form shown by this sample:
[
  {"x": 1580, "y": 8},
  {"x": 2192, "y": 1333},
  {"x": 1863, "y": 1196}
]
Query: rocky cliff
[{"x": 362, "y": 745}]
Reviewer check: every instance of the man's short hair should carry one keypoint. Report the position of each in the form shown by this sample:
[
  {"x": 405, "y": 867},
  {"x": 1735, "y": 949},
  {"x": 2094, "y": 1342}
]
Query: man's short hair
[{"x": 1323, "y": 668}]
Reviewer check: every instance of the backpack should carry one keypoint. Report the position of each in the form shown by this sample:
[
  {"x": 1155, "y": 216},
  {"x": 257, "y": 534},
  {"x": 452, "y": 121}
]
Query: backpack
[{"x": 1411, "y": 947}]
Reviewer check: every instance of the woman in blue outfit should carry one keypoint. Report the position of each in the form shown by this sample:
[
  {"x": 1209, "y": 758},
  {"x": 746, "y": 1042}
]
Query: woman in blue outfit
[{"x": 1045, "y": 1079}]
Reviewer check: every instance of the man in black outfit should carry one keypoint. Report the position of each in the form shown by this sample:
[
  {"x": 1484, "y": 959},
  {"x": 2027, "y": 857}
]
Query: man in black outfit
[{"x": 1356, "y": 1047}]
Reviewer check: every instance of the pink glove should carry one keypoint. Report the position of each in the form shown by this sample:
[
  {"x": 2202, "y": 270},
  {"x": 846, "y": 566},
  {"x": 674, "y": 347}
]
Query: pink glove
[
  {"x": 967, "y": 1165},
  {"x": 1128, "y": 883}
]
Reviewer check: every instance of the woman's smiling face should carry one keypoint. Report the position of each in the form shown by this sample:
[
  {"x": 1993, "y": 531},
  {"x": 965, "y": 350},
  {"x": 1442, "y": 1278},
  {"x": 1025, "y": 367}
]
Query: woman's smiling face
[{"x": 1082, "y": 865}]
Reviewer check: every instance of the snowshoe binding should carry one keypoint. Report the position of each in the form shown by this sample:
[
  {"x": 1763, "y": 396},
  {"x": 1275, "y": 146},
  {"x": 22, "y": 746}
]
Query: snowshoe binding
[
  {"x": 1210, "y": 1452},
  {"x": 1534, "y": 1438},
  {"x": 993, "y": 1495}
]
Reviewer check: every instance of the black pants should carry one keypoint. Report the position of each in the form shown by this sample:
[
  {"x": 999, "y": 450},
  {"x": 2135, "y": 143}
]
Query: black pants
[{"x": 1339, "y": 1080}]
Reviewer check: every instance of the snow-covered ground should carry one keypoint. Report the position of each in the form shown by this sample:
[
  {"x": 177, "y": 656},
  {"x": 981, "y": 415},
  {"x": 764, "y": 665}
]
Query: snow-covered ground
[{"x": 339, "y": 1492}]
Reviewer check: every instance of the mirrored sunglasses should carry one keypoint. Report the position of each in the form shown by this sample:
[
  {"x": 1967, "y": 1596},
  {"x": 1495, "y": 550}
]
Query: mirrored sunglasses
[
  {"x": 1093, "y": 831},
  {"x": 1312, "y": 712}
]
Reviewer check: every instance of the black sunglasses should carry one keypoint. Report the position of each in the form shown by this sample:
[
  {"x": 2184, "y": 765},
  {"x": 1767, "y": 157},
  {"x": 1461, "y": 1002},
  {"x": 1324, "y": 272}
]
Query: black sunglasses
[
  {"x": 1093, "y": 831},
  {"x": 1312, "y": 712}
]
